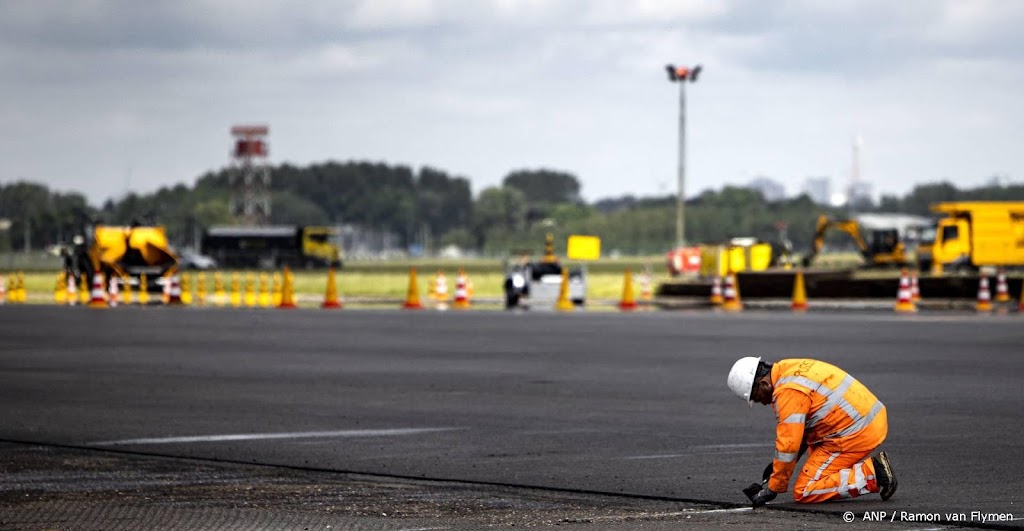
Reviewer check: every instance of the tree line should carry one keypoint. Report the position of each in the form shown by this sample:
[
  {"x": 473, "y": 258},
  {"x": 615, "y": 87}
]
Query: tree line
[{"x": 432, "y": 208}]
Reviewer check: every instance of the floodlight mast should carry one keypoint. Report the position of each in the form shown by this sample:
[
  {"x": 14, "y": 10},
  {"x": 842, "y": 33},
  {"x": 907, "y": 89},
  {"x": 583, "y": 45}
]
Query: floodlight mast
[{"x": 682, "y": 75}]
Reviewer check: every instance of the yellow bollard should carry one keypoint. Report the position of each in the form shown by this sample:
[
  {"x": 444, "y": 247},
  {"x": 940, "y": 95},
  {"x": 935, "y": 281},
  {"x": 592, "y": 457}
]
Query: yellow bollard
[
  {"x": 276, "y": 289},
  {"x": 60, "y": 290},
  {"x": 143, "y": 289},
  {"x": 264, "y": 298},
  {"x": 250, "y": 289},
  {"x": 83, "y": 289},
  {"x": 201, "y": 289},
  {"x": 22, "y": 294},
  {"x": 186, "y": 288},
  {"x": 236, "y": 289},
  {"x": 127, "y": 291},
  {"x": 220, "y": 297}
]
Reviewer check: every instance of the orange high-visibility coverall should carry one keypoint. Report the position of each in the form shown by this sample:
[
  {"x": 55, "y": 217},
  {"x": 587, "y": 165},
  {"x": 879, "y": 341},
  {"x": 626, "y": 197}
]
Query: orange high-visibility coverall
[{"x": 840, "y": 420}]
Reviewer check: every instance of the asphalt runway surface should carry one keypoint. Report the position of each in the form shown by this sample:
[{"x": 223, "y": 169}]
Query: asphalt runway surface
[{"x": 611, "y": 414}]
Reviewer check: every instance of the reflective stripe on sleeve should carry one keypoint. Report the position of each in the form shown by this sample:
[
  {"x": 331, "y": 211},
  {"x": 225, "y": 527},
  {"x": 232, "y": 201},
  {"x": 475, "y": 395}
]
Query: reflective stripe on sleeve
[
  {"x": 795, "y": 418},
  {"x": 785, "y": 457}
]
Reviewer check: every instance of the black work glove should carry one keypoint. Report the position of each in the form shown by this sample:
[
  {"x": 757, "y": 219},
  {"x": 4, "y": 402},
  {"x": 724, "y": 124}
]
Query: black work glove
[
  {"x": 764, "y": 496},
  {"x": 752, "y": 490}
]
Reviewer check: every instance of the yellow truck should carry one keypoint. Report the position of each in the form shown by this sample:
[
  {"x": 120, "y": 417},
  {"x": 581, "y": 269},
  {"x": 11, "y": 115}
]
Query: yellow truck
[
  {"x": 973, "y": 234},
  {"x": 273, "y": 246}
]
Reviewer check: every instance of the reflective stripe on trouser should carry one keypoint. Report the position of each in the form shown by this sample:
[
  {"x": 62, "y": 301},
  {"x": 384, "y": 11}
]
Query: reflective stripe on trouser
[
  {"x": 835, "y": 476},
  {"x": 841, "y": 468}
]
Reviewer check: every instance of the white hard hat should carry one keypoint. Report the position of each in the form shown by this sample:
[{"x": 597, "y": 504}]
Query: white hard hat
[{"x": 741, "y": 377}]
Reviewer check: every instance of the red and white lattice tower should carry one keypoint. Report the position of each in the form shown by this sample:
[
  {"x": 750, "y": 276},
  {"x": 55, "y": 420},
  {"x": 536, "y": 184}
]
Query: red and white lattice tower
[{"x": 250, "y": 175}]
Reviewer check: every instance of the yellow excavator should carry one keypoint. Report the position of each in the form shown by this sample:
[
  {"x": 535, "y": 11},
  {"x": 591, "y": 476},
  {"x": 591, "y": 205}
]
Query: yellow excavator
[
  {"x": 126, "y": 252},
  {"x": 880, "y": 247}
]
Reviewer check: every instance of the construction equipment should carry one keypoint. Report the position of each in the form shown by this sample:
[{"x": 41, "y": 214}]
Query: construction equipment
[
  {"x": 881, "y": 239},
  {"x": 539, "y": 282},
  {"x": 974, "y": 234},
  {"x": 272, "y": 246},
  {"x": 129, "y": 253}
]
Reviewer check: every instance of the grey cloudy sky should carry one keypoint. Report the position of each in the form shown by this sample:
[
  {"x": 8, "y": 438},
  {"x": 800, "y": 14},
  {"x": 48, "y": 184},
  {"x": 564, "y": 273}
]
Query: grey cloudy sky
[{"x": 105, "y": 96}]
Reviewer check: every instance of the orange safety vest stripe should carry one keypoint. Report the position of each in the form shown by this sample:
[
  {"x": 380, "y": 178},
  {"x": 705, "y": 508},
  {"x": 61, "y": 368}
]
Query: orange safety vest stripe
[{"x": 814, "y": 401}]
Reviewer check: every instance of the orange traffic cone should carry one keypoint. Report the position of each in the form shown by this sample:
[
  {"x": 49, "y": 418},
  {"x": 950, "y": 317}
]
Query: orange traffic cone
[
  {"x": 461, "y": 293},
  {"x": 563, "y": 304},
  {"x": 173, "y": 291},
  {"x": 412, "y": 296},
  {"x": 628, "y": 302},
  {"x": 287, "y": 290},
  {"x": 97, "y": 299},
  {"x": 799, "y": 292},
  {"x": 915, "y": 290},
  {"x": 331, "y": 299},
  {"x": 731, "y": 295},
  {"x": 904, "y": 298},
  {"x": 1002, "y": 289},
  {"x": 716, "y": 291},
  {"x": 984, "y": 296}
]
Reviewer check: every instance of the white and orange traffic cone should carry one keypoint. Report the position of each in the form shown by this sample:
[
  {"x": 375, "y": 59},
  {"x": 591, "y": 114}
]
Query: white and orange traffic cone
[
  {"x": 113, "y": 293},
  {"x": 72, "y": 291},
  {"x": 646, "y": 292},
  {"x": 3, "y": 290},
  {"x": 731, "y": 295},
  {"x": 174, "y": 291},
  {"x": 915, "y": 290},
  {"x": 97, "y": 298},
  {"x": 904, "y": 298},
  {"x": 1002, "y": 289},
  {"x": 716, "y": 291},
  {"x": 461, "y": 293},
  {"x": 439, "y": 291},
  {"x": 799, "y": 292},
  {"x": 984, "y": 296}
]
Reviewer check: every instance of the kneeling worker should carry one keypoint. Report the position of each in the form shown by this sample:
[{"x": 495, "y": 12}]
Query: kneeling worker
[{"x": 818, "y": 407}]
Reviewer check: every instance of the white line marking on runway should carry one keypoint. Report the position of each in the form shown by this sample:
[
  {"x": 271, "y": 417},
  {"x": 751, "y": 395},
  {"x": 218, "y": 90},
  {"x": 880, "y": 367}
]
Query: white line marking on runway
[
  {"x": 736, "y": 510},
  {"x": 265, "y": 436},
  {"x": 702, "y": 447}
]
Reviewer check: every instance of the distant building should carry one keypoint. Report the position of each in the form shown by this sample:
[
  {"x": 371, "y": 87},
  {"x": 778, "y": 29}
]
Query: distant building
[
  {"x": 770, "y": 189},
  {"x": 819, "y": 189}
]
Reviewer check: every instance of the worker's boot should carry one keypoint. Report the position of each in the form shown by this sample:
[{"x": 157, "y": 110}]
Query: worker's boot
[{"x": 884, "y": 475}]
